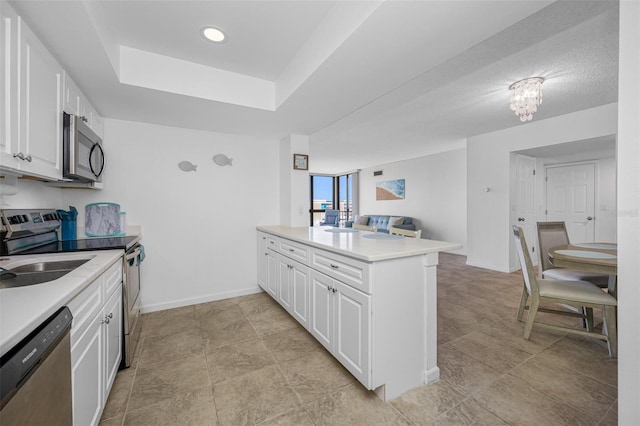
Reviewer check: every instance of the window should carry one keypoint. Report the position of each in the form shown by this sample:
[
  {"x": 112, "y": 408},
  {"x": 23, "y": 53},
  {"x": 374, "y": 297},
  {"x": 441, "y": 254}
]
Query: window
[{"x": 330, "y": 192}]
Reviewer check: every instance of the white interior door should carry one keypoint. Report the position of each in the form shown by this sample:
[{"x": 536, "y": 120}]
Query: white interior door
[
  {"x": 525, "y": 186},
  {"x": 571, "y": 198}
]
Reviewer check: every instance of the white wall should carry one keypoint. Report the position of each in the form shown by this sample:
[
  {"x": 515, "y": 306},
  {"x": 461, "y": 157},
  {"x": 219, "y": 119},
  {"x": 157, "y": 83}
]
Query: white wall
[
  {"x": 629, "y": 214},
  {"x": 28, "y": 194},
  {"x": 435, "y": 194},
  {"x": 294, "y": 184},
  {"x": 198, "y": 228},
  {"x": 489, "y": 243}
]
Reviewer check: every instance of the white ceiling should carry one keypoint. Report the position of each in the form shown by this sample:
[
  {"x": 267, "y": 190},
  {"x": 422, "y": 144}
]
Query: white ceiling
[{"x": 369, "y": 82}]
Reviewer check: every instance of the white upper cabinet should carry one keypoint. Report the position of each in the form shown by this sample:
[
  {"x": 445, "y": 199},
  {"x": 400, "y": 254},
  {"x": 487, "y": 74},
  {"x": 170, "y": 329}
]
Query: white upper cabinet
[
  {"x": 34, "y": 90},
  {"x": 40, "y": 115},
  {"x": 8, "y": 86},
  {"x": 75, "y": 103}
]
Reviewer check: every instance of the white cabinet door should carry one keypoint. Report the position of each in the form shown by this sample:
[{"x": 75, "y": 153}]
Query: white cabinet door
[
  {"x": 272, "y": 273},
  {"x": 352, "y": 332},
  {"x": 321, "y": 324},
  {"x": 300, "y": 293},
  {"x": 40, "y": 116},
  {"x": 113, "y": 338},
  {"x": 262, "y": 260},
  {"x": 285, "y": 293},
  {"x": 8, "y": 86},
  {"x": 70, "y": 96},
  {"x": 87, "y": 375}
]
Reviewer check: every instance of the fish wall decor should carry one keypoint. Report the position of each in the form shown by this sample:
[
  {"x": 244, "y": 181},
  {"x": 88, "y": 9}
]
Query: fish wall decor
[
  {"x": 222, "y": 160},
  {"x": 187, "y": 166}
]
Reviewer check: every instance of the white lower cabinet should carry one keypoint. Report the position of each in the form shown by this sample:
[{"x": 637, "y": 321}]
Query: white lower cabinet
[
  {"x": 341, "y": 322},
  {"x": 377, "y": 317},
  {"x": 293, "y": 289},
  {"x": 112, "y": 337},
  {"x": 96, "y": 344},
  {"x": 87, "y": 375}
]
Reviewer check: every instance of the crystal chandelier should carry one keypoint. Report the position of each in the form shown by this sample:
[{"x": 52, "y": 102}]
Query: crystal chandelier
[{"x": 526, "y": 95}]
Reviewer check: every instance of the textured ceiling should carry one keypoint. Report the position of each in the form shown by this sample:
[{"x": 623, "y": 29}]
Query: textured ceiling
[{"x": 369, "y": 82}]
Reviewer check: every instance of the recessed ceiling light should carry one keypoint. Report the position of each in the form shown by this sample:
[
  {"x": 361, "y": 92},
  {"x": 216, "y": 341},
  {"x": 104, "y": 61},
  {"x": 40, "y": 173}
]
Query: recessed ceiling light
[{"x": 214, "y": 34}]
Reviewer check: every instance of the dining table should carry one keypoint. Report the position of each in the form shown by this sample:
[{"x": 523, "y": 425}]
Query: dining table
[{"x": 589, "y": 257}]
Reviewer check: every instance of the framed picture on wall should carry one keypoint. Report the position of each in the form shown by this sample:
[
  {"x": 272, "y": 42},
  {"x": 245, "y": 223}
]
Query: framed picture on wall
[{"x": 300, "y": 162}]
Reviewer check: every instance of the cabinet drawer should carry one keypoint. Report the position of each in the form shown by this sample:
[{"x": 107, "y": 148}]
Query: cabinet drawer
[
  {"x": 84, "y": 307},
  {"x": 272, "y": 242},
  {"x": 341, "y": 268},
  {"x": 113, "y": 277},
  {"x": 293, "y": 250}
]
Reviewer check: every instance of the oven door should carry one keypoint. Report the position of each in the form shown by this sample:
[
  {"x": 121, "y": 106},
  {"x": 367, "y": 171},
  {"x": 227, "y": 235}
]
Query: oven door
[{"x": 131, "y": 303}]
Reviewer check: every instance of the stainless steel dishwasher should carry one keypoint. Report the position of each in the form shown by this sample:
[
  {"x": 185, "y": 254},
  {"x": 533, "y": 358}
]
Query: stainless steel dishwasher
[{"x": 35, "y": 376}]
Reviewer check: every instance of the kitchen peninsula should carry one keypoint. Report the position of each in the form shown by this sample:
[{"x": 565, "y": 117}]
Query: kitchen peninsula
[{"x": 370, "y": 299}]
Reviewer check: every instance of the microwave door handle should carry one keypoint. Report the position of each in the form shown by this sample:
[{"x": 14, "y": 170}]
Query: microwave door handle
[{"x": 95, "y": 145}]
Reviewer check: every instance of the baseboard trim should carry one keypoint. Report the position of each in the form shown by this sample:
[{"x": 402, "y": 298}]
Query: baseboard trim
[
  {"x": 196, "y": 300},
  {"x": 432, "y": 375}
]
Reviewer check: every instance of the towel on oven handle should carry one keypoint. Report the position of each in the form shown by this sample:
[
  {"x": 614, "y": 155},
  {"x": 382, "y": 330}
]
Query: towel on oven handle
[{"x": 141, "y": 256}]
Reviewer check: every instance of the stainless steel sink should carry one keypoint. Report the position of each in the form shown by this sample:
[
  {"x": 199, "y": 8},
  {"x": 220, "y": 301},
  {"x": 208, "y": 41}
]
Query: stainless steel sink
[
  {"x": 58, "y": 265},
  {"x": 38, "y": 272}
]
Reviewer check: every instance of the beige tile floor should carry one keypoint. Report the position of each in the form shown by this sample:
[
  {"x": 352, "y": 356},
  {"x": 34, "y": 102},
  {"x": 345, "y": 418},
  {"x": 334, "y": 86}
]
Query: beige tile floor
[{"x": 246, "y": 361}]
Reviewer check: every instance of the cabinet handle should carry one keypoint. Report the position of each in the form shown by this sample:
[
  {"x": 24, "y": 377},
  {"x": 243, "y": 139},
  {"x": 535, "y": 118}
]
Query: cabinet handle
[
  {"x": 21, "y": 156},
  {"x": 290, "y": 266},
  {"x": 110, "y": 315},
  {"x": 105, "y": 320},
  {"x": 84, "y": 118},
  {"x": 334, "y": 266},
  {"x": 291, "y": 250},
  {"x": 334, "y": 289},
  {"x": 328, "y": 288}
]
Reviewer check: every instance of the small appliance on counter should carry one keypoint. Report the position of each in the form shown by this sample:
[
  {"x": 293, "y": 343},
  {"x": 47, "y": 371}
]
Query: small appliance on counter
[{"x": 102, "y": 220}]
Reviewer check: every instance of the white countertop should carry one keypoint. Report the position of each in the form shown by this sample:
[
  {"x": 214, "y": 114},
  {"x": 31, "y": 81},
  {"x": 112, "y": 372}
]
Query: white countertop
[
  {"x": 354, "y": 244},
  {"x": 22, "y": 309}
]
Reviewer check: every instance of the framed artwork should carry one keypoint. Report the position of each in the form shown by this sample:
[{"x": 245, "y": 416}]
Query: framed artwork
[
  {"x": 300, "y": 162},
  {"x": 390, "y": 190}
]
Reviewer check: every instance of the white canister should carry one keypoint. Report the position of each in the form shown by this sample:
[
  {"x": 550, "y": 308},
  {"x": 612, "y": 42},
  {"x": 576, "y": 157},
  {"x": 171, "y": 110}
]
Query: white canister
[{"x": 123, "y": 222}]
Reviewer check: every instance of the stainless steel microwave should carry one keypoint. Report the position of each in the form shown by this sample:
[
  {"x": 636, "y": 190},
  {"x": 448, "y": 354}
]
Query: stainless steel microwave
[{"x": 83, "y": 157}]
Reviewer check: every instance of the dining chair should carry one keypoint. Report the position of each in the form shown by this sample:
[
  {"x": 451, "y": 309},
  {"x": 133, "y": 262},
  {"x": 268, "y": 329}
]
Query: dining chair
[
  {"x": 552, "y": 234},
  {"x": 365, "y": 227},
  {"x": 563, "y": 292},
  {"x": 405, "y": 232}
]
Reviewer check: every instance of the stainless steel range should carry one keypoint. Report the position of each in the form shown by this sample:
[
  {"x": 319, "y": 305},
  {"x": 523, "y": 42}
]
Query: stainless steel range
[{"x": 35, "y": 231}]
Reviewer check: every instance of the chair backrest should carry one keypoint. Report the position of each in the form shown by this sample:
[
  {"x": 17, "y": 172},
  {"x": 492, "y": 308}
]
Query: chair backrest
[
  {"x": 528, "y": 274},
  {"x": 405, "y": 232},
  {"x": 364, "y": 227},
  {"x": 331, "y": 217},
  {"x": 550, "y": 234}
]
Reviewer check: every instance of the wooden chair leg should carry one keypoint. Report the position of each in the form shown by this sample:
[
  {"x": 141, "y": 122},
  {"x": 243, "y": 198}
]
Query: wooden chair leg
[
  {"x": 533, "y": 310},
  {"x": 587, "y": 322},
  {"x": 610, "y": 321},
  {"x": 523, "y": 303}
]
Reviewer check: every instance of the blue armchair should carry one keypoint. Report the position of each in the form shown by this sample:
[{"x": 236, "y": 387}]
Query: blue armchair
[{"x": 331, "y": 218}]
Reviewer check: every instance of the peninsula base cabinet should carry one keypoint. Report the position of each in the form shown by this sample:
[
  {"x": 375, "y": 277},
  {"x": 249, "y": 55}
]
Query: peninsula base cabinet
[
  {"x": 96, "y": 344},
  {"x": 377, "y": 318},
  {"x": 341, "y": 322},
  {"x": 293, "y": 289}
]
